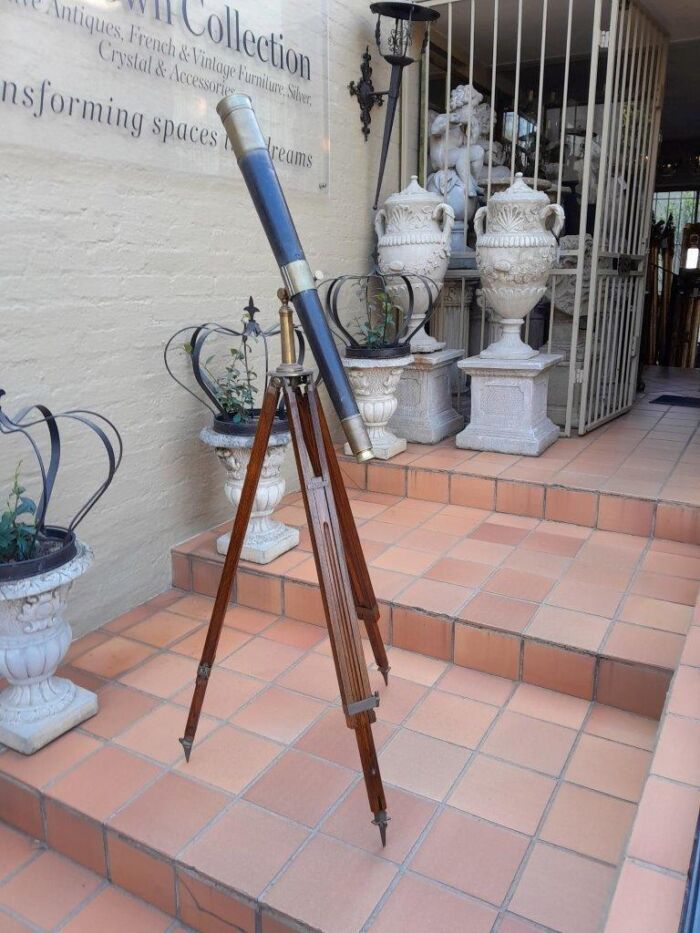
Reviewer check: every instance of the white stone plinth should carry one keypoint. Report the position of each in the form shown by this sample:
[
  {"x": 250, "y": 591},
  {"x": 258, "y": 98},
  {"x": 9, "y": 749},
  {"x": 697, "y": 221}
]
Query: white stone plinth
[
  {"x": 425, "y": 413},
  {"x": 374, "y": 383},
  {"x": 265, "y": 538},
  {"x": 37, "y": 707},
  {"x": 509, "y": 405}
]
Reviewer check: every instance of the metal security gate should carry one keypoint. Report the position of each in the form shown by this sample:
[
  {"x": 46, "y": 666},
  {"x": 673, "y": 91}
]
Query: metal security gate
[{"x": 569, "y": 92}]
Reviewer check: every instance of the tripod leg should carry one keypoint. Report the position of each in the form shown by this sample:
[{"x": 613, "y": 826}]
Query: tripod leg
[
  {"x": 338, "y": 602},
  {"x": 245, "y": 507},
  {"x": 362, "y": 589}
]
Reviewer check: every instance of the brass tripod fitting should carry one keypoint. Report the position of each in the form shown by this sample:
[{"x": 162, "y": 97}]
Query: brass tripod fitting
[{"x": 289, "y": 365}]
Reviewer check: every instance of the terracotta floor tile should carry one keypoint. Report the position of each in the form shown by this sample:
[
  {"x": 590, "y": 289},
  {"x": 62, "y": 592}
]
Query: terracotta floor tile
[
  {"x": 300, "y": 787},
  {"x": 262, "y": 658},
  {"x": 113, "y": 657},
  {"x": 226, "y": 693},
  {"x": 645, "y": 901},
  {"x": 615, "y": 578},
  {"x": 119, "y": 708},
  {"x": 566, "y": 627},
  {"x": 156, "y": 735},
  {"x": 589, "y": 823},
  {"x": 104, "y": 782},
  {"x": 162, "y": 628},
  {"x": 657, "y": 613},
  {"x": 606, "y": 766},
  {"x": 519, "y": 584},
  {"x": 503, "y": 793},
  {"x": 644, "y": 645},
  {"x": 481, "y": 552},
  {"x": 685, "y": 692},
  {"x": 620, "y": 726},
  {"x": 677, "y": 565},
  {"x": 452, "y": 718},
  {"x": 278, "y": 714},
  {"x": 115, "y": 911},
  {"x": 422, "y": 764},
  {"x": 252, "y": 621},
  {"x": 350, "y": 821},
  {"x": 416, "y": 667},
  {"x": 85, "y": 643},
  {"x": 48, "y": 889},
  {"x": 497, "y": 533},
  {"x": 388, "y": 584},
  {"x": 397, "y": 699},
  {"x": 15, "y": 850},
  {"x": 461, "y": 572},
  {"x": 532, "y": 743},
  {"x": 326, "y": 906},
  {"x": 168, "y": 814},
  {"x": 263, "y": 843},
  {"x": 511, "y": 615},
  {"x": 599, "y": 600},
  {"x": 315, "y": 676},
  {"x": 538, "y": 563},
  {"x": 195, "y": 606},
  {"x": 558, "y": 544},
  {"x": 563, "y": 891},
  {"x": 51, "y": 761},
  {"x": 678, "y": 752},
  {"x": 229, "y": 640},
  {"x": 470, "y": 855},
  {"x": 663, "y": 586},
  {"x": 162, "y": 675},
  {"x": 382, "y": 532},
  {"x": 330, "y": 738},
  {"x": 416, "y": 905},
  {"x": 230, "y": 759},
  {"x": 512, "y": 924},
  {"x": 549, "y": 705},
  {"x": 295, "y": 634},
  {"x": 434, "y": 596},
  {"x": 664, "y": 829},
  {"x": 405, "y": 560},
  {"x": 476, "y": 685}
]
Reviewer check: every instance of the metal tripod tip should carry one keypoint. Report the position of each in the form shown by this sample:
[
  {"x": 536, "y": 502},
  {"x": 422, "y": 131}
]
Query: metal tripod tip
[
  {"x": 381, "y": 820},
  {"x": 385, "y": 674},
  {"x": 187, "y": 745}
]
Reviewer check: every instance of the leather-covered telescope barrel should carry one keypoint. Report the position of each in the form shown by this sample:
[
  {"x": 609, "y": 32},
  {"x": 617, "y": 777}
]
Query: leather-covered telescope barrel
[{"x": 249, "y": 145}]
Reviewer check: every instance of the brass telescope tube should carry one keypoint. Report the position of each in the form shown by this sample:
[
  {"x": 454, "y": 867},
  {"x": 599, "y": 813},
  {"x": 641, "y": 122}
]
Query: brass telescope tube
[{"x": 249, "y": 145}]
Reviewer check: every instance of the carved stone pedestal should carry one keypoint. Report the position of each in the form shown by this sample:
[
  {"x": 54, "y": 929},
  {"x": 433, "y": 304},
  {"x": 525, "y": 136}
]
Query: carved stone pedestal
[
  {"x": 374, "y": 383},
  {"x": 265, "y": 538},
  {"x": 425, "y": 413},
  {"x": 509, "y": 405}
]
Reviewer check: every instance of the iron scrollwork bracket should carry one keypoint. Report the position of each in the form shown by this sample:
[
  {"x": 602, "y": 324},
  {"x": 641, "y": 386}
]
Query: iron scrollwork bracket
[{"x": 364, "y": 91}]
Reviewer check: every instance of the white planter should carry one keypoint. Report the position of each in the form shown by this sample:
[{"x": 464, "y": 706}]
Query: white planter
[
  {"x": 37, "y": 707},
  {"x": 515, "y": 252},
  {"x": 413, "y": 238},
  {"x": 265, "y": 538},
  {"x": 374, "y": 383}
]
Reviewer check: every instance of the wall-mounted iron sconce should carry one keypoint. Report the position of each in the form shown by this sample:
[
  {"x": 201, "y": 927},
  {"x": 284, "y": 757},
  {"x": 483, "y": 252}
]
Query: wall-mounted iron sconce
[{"x": 395, "y": 43}]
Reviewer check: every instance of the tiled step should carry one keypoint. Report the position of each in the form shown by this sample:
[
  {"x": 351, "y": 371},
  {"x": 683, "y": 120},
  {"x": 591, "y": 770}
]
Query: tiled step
[
  {"x": 596, "y": 614},
  {"x": 267, "y": 829},
  {"x": 41, "y": 890},
  {"x": 628, "y": 502}
]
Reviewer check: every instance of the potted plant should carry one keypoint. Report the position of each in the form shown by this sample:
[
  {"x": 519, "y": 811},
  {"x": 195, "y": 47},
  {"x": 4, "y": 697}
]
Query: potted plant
[
  {"x": 38, "y": 564},
  {"x": 380, "y": 320},
  {"x": 230, "y": 387}
]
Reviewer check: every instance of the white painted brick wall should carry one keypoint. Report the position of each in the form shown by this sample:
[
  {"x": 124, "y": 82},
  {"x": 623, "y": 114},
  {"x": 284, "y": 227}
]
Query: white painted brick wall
[{"x": 101, "y": 262}]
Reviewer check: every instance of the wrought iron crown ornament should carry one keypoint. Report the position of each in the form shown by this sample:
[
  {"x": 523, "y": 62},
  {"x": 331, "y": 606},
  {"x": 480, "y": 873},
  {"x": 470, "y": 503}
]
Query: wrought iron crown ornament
[
  {"x": 383, "y": 306},
  {"x": 50, "y": 546}
]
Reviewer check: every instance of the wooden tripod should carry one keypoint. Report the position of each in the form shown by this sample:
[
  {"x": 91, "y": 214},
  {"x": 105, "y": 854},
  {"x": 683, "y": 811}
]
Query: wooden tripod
[{"x": 345, "y": 584}]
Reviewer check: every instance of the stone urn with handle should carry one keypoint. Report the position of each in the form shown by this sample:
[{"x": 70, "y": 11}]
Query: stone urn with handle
[
  {"x": 414, "y": 231},
  {"x": 516, "y": 248}
]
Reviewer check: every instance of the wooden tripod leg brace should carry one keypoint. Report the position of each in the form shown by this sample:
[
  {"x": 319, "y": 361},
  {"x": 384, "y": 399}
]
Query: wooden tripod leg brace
[{"x": 346, "y": 589}]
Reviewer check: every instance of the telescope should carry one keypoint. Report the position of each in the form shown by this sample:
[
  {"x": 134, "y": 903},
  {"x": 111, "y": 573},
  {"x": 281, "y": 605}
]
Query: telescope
[{"x": 249, "y": 145}]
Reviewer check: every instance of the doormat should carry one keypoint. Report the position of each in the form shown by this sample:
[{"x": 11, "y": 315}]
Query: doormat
[{"x": 683, "y": 401}]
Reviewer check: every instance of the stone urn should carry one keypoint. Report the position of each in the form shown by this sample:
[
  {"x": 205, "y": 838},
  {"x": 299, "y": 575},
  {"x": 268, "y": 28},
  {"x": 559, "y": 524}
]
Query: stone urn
[
  {"x": 374, "y": 381},
  {"x": 414, "y": 231},
  {"x": 36, "y": 706},
  {"x": 265, "y": 537},
  {"x": 516, "y": 248}
]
